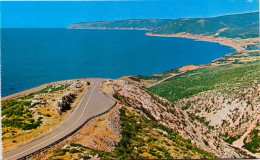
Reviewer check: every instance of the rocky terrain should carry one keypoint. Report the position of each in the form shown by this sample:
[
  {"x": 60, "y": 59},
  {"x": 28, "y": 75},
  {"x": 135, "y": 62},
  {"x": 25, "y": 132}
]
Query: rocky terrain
[
  {"x": 173, "y": 117},
  {"x": 232, "y": 117},
  {"x": 208, "y": 124},
  {"x": 131, "y": 134}
]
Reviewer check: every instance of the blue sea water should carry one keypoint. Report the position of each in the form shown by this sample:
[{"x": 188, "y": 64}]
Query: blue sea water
[{"x": 31, "y": 57}]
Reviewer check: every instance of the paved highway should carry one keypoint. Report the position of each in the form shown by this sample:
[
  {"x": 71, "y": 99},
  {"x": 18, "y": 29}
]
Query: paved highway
[{"x": 93, "y": 103}]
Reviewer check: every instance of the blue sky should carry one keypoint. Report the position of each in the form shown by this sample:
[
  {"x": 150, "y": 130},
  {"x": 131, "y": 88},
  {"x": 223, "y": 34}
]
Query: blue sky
[{"x": 59, "y": 14}]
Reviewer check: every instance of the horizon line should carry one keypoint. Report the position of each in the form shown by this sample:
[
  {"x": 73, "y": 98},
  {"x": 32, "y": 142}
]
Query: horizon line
[{"x": 126, "y": 19}]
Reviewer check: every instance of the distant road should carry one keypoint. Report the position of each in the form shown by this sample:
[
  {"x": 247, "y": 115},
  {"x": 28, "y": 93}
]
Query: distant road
[
  {"x": 165, "y": 79},
  {"x": 93, "y": 103}
]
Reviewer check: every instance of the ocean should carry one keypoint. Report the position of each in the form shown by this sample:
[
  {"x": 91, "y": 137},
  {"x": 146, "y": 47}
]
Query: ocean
[{"x": 32, "y": 57}]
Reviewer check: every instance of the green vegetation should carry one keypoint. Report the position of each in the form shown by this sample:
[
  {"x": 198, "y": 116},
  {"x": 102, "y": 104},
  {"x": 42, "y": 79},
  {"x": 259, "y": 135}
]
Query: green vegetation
[
  {"x": 16, "y": 115},
  {"x": 153, "y": 77},
  {"x": 59, "y": 152},
  {"x": 176, "y": 70},
  {"x": 230, "y": 139},
  {"x": 49, "y": 89},
  {"x": 254, "y": 54},
  {"x": 142, "y": 138},
  {"x": 240, "y": 33},
  {"x": 254, "y": 145},
  {"x": 205, "y": 79}
]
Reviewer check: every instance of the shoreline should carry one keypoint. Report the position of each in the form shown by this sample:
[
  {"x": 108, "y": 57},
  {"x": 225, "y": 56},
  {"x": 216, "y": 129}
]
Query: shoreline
[
  {"x": 222, "y": 41},
  {"x": 40, "y": 87}
]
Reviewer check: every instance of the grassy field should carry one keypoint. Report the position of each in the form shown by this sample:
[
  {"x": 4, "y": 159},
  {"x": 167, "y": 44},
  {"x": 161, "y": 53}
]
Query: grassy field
[
  {"x": 205, "y": 79},
  {"x": 17, "y": 116}
]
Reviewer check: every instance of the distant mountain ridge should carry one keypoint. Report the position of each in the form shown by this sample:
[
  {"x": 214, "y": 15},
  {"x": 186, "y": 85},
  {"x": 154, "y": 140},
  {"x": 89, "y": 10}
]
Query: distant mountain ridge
[
  {"x": 136, "y": 24},
  {"x": 245, "y": 25}
]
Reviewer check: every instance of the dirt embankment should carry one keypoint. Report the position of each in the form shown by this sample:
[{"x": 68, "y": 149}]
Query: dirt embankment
[
  {"x": 188, "y": 68},
  {"x": 101, "y": 133}
]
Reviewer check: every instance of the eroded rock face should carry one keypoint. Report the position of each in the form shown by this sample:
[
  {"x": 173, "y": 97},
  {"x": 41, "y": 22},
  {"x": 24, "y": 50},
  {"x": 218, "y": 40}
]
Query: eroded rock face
[
  {"x": 174, "y": 117},
  {"x": 225, "y": 111},
  {"x": 103, "y": 133},
  {"x": 233, "y": 112}
]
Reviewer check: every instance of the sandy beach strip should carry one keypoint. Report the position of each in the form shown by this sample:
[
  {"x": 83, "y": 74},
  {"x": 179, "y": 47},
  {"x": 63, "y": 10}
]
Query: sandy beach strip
[{"x": 220, "y": 40}]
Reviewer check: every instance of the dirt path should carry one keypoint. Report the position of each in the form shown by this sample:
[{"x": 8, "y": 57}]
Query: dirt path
[{"x": 165, "y": 79}]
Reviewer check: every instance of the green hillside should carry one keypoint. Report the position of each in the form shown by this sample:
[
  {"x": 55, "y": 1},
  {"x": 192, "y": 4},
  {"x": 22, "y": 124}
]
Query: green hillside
[
  {"x": 244, "y": 25},
  {"x": 231, "y": 26},
  {"x": 194, "y": 82}
]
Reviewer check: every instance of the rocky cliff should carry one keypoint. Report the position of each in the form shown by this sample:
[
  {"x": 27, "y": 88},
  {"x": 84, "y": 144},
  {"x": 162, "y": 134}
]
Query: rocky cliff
[{"x": 173, "y": 117}]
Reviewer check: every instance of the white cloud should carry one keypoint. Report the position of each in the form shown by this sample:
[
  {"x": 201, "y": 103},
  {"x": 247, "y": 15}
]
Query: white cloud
[{"x": 249, "y": 1}]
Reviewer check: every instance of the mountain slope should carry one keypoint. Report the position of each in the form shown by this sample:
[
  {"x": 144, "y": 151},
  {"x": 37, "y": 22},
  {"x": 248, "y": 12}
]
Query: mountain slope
[{"x": 227, "y": 26}]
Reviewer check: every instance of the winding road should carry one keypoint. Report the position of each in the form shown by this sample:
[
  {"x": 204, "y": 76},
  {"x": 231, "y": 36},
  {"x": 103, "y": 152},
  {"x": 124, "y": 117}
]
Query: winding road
[{"x": 93, "y": 103}]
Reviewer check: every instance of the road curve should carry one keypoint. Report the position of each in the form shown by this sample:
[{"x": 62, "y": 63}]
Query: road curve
[{"x": 93, "y": 103}]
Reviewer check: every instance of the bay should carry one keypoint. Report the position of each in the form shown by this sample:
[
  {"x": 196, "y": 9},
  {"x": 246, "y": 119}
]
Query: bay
[{"x": 31, "y": 57}]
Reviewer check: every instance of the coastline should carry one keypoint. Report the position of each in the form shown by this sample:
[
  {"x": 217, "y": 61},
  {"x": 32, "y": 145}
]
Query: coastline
[
  {"x": 222, "y": 41},
  {"x": 34, "y": 89},
  {"x": 134, "y": 29},
  {"x": 40, "y": 87}
]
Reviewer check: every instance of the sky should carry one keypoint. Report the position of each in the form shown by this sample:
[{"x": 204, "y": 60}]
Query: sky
[{"x": 61, "y": 14}]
